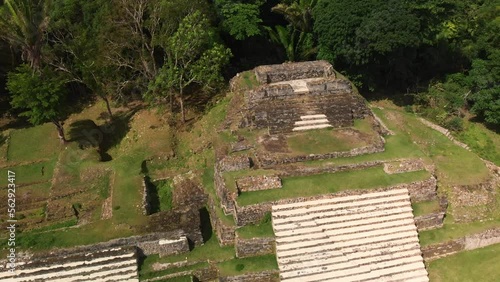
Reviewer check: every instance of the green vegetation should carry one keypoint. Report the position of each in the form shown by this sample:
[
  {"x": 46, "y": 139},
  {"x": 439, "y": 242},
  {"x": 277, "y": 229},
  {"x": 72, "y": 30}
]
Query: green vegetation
[
  {"x": 482, "y": 141},
  {"x": 451, "y": 230},
  {"x": 31, "y": 173},
  {"x": 245, "y": 265},
  {"x": 330, "y": 183},
  {"x": 259, "y": 230},
  {"x": 323, "y": 141},
  {"x": 476, "y": 265},
  {"x": 39, "y": 137},
  {"x": 426, "y": 207}
]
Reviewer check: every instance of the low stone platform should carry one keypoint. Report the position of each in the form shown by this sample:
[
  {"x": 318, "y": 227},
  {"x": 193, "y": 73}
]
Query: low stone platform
[{"x": 367, "y": 237}]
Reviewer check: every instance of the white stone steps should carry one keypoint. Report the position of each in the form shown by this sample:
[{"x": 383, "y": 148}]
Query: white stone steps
[
  {"x": 347, "y": 212},
  {"x": 76, "y": 263},
  {"x": 356, "y": 274},
  {"x": 357, "y": 261},
  {"x": 339, "y": 218},
  {"x": 355, "y": 266},
  {"x": 416, "y": 268},
  {"x": 311, "y": 121},
  {"x": 336, "y": 240},
  {"x": 312, "y": 117},
  {"x": 353, "y": 252},
  {"x": 102, "y": 276},
  {"x": 362, "y": 241},
  {"x": 387, "y": 193},
  {"x": 309, "y": 127},
  {"x": 341, "y": 206},
  {"x": 332, "y": 223},
  {"x": 131, "y": 264},
  {"x": 330, "y": 231},
  {"x": 412, "y": 276}
]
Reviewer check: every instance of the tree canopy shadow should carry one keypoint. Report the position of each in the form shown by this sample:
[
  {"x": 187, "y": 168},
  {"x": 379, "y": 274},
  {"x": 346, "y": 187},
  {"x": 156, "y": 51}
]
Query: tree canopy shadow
[{"x": 88, "y": 134}]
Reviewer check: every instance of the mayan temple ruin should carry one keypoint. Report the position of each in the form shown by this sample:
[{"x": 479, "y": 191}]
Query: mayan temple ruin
[{"x": 304, "y": 181}]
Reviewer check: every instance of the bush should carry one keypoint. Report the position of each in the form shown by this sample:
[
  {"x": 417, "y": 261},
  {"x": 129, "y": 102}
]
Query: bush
[
  {"x": 239, "y": 267},
  {"x": 455, "y": 124}
]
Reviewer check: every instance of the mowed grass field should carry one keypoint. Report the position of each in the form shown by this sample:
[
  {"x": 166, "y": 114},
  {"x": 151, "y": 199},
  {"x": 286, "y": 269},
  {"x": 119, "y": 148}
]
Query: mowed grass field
[{"x": 480, "y": 265}]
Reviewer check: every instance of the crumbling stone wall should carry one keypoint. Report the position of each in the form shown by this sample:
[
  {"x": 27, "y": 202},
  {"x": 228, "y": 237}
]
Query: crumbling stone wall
[
  {"x": 233, "y": 163},
  {"x": 225, "y": 196},
  {"x": 164, "y": 247},
  {"x": 293, "y": 71},
  {"x": 225, "y": 233},
  {"x": 257, "y": 183},
  {"x": 185, "y": 218},
  {"x": 429, "y": 221},
  {"x": 264, "y": 276},
  {"x": 254, "y": 246},
  {"x": 422, "y": 190},
  {"x": 467, "y": 243},
  {"x": 404, "y": 166}
]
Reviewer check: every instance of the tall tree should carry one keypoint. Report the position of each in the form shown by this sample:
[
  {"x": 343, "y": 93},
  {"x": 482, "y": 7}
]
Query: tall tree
[
  {"x": 23, "y": 24},
  {"x": 40, "y": 95},
  {"x": 193, "y": 57},
  {"x": 240, "y": 18}
]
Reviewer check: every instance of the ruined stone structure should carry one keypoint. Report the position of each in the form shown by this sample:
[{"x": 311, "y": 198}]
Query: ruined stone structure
[{"x": 301, "y": 96}]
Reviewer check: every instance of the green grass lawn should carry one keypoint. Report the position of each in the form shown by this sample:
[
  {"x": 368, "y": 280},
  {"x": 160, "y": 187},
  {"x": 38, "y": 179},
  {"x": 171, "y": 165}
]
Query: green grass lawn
[
  {"x": 480, "y": 265},
  {"x": 481, "y": 140},
  {"x": 330, "y": 183},
  {"x": 322, "y": 141},
  {"x": 425, "y": 207},
  {"x": 259, "y": 230},
  {"x": 30, "y": 173},
  {"x": 245, "y": 265},
  {"x": 34, "y": 143},
  {"x": 454, "y": 165}
]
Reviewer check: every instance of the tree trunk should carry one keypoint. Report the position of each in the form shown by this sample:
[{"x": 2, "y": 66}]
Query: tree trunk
[
  {"x": 183, "y": 115},
  {"x": 60, "y": 131},
  {"x": 106, "y": 100}
]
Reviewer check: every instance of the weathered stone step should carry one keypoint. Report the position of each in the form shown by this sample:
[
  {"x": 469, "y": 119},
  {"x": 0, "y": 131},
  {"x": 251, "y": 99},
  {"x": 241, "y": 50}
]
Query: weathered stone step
[
  {"x": 365, "y": 237},
  {"x": 319, "y": 116},
  {"x": 342, "y": 205},
  {"x": 416, "y": 269},
  {"x": 311, "y": 121},
  {"x": 308, "y": 204},
  {"x": 357, "y": 274},
  {"x": 411, "y": 235},
  {"x": 348, "y": 210},
  {"x": 328, "y": 231},
  {"x": 376, "y": 257},
  {"x": 340, "y": 221},
  {"x": 309, "y": 127},
  {"x": 355, "y": 267},
  {"x": 121, "y": 274},
  {"x": 412, "y": 276},
  {"x": 67, "y": 275},
  {"x": 354, "y": 252}
]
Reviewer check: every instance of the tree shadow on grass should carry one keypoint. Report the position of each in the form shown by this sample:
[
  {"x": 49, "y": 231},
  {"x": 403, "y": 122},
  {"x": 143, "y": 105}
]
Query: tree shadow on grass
[
  {"x": 206, "y": 225},
  {"x": 88, "y": 134}
]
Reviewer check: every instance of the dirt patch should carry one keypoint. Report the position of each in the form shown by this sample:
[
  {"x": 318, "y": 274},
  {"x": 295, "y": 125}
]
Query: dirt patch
[{"x": 274, "y": 143}]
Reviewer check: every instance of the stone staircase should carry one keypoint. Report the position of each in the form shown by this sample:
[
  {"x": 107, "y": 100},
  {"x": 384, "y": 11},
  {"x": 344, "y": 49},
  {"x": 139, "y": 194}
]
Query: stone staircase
[
  {"x": 115, "y": 264},
  {"x": 367, "y": 237},
  {"x": 311, "y": 122}
]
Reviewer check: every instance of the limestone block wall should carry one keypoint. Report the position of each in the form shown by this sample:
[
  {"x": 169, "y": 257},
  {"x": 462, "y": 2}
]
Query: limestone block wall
[
  {"x": 429, "y": 221},
  {"x": 164, "y": 247},
  {"x": 254, "y": 246},
  {"x": 225, "y": 196},
  {"x": 233, "y": 163},
  {"x": 257, "y": 183},
  {"x": 225, "y": 233},
  {"x": 264, "y": 276},
  {"x": 293, "y": 71},
  {"x": 467, "y": 243},
  {"x": 187, "y": 219},
  {"x": 423, "y": 190}
]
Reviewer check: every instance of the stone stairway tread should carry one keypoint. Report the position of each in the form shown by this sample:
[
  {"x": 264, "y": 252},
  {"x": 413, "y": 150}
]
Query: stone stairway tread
[
  {"x": 327, "y": 231},
  {"x": 312, "y": 116},
  {"x": 311, "y": 121},
  {"x": 305, "y": 204},
  {"x": 332, "y": 223},
  {"x": 343, "y": 205},
  {"x": 309, "y": 127}
]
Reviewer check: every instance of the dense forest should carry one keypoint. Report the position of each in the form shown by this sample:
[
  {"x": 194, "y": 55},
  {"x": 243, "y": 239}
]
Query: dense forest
[{"x": 439, "y": 57}]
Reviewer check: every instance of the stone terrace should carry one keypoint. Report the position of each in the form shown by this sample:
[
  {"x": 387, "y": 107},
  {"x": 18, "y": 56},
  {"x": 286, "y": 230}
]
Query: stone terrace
[
  {"x": 367, "y": 237},
  {"x": 302, "y": 96}
]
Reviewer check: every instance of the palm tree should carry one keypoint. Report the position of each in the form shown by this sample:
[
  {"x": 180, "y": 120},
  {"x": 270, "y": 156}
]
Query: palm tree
[
  {"x": 23, "y": 24},
  {"x": 298, "y": 13}
]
